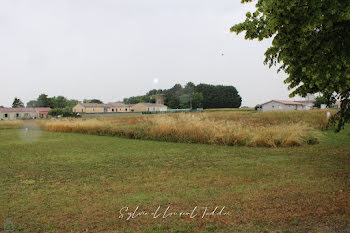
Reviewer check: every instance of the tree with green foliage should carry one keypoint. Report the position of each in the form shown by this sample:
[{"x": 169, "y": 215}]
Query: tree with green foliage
[
  {"x": 59, "y": 101},
  {"x": 32, "y": 104},
  {"x": 95, "y": 101},
  {"x": 311, "y": 43},
  {"x": 44, "y": 101},
  {"x": 62, "y": 112},
  {"x": 60, "y": 105},
  {"x": 319, "y": 101},
  {"x": 197, "y": 100},
  {"x": 192, "y": 96},
  {"x": 172, "y": 96},
  {"x": 139, "y": 99},
  {"x": 219, "y": 96},
  {"x": 70, "y": 103},
  {"x": 17, "y": 103},
  {"x": 185, "y": 101}
]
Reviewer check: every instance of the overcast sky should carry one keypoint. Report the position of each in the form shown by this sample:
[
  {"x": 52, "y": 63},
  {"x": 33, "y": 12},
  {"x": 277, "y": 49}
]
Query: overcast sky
[{"x": 112, "y": 49}]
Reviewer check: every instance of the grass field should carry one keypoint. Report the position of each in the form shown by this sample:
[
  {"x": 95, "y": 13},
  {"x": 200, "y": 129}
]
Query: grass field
[
  {"x": 65, "y": 182},
  {"x": 229, "y": 128}
]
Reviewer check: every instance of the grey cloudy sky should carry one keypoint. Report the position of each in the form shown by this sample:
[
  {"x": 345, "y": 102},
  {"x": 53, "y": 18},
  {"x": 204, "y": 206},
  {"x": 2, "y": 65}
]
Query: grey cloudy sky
[{"x": 111, "y": 49}]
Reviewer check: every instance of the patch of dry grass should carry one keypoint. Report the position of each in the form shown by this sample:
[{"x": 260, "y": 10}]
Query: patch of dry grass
[
  {"x": 201, "y": 129},
  {"x": 11, "y": 124},
  {"x": 270, "y": 129}
]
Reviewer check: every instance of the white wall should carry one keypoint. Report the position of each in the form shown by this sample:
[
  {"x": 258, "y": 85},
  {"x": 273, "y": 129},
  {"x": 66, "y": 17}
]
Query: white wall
[{"x": 274, "y": 106}]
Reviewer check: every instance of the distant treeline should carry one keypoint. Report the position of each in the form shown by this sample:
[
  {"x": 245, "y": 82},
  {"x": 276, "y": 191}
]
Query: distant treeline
[
  {"x": 52, "y": 102},
  {"x": 192, "y": 96},
  {"x": 60, "y": 105}
]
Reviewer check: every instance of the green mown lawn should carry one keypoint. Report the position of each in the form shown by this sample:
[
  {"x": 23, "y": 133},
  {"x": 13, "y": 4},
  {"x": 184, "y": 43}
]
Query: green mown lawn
[{"x": 64, "y": 182}]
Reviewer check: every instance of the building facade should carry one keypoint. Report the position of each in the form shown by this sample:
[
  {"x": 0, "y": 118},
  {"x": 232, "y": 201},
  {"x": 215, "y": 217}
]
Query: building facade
[
  {"x": 281, "y": 105},
  {"x": 149, "y": 107},
  {"x": 91, "y": 108},
  {"x": 23, "y": 113},
  {"x": 117, "y": 107},
  {"x": 120, "y": 107}
]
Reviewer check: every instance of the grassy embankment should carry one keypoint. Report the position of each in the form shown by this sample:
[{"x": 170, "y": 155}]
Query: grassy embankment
[{"x": 63, "y": 182}]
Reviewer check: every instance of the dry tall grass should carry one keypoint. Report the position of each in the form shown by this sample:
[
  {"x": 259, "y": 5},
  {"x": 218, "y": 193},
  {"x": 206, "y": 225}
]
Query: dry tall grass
[
  {"x": 11, "y": 124},
  {"x": 271, "y": 129}
]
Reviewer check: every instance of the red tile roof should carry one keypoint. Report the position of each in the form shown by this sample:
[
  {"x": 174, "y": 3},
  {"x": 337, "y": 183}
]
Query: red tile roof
[{"x": 25, "y": 109}]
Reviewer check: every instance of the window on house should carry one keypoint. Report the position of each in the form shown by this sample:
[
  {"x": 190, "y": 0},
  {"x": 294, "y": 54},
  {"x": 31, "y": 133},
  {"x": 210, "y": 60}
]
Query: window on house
[
  {"x": 26, "y": 115},
  {"x": 18, "y": 115},
  {"x": 147, "y": 109},
  {"x": 112, "y": 109},
  {"x": 126, "y": 110},
  {"x": 273, "y": 106},
  {"x": 82, "y": 110},
  {"x": 6, "y": 115}
]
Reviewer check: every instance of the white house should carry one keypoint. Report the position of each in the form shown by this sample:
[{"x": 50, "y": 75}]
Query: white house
[{"x": 281, "y": 105}]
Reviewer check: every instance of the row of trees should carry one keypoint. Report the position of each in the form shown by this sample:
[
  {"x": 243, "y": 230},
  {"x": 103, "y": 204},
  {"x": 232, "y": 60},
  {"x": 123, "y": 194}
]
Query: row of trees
[
  {"x": 192, "y": 96},
  {"x": 59, "y": 102},
  {"x": 60, "y": 105},
  {"x": 52, "y": 102}
]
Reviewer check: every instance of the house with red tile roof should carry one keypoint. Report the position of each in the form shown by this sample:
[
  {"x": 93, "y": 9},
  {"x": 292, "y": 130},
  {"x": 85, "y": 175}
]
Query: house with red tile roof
[{"x": 23, "y": 113}]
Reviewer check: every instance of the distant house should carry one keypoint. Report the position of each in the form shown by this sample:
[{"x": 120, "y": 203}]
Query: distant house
[
  {"x": 23, "y": 113},
  {"x": 102, "y": 108},
  {"x": 121, "y": 107},
  {"x": 281, "y": 105},
  {"x": 149, "y": 107},
  {"x": 118, "y": 107},
  {"x": 91, "y": 108}
]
